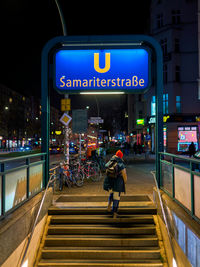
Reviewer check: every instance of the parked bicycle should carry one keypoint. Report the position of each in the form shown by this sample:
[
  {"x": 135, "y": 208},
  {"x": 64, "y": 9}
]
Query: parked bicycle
[
  {"x": 90, "y": 169},
  {"x": 69, "y": 176}
]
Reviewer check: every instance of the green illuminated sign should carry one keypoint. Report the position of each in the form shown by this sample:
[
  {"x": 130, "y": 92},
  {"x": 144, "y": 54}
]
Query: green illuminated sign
[{"x": 140, "y": 121}]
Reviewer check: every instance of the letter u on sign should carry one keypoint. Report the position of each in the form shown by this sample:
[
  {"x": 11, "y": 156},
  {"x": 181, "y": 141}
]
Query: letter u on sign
[{"x": 107, "y": 63}]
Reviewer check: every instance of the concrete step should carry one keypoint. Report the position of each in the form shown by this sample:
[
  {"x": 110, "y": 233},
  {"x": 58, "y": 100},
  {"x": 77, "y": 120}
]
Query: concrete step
[
  {"x": 82, "y": 233},
  {"x": 100, "y": 263},
  {"x": 100, "y": 198},
  {"x": 70, "y": 210},
  {"x": 99, "y": 241},
  {"x": 100, "y": 253},
  {"x": 92, "y": 219},
  {"x": 135, "y": 229}
]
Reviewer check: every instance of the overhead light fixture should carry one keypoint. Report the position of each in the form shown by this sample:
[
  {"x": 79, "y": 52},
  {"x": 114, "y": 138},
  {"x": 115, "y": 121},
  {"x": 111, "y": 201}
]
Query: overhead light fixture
[
  {"x": 104, "y": 44},
  {"x": 101, "y": 93}
]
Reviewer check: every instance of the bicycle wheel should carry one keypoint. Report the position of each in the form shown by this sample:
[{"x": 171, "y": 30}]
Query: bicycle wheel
[
  {"x": 78, "y": 177},
  {"x": 95, "y": 172}
]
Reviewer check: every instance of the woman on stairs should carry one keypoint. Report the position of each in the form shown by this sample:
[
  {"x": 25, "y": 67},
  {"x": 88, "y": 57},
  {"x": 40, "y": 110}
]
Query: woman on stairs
[{"x": 115, "y": 181}]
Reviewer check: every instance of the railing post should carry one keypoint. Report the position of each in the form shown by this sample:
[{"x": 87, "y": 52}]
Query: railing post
[
  {"x": 159, "y": 111},
  {"x": 173, "y": 187},
  {"x": 28, "y": 175},
  {"x": 160, "y": 163},
  {"x": 3, "y": 190},
  {"x": 43, "y": 158}
]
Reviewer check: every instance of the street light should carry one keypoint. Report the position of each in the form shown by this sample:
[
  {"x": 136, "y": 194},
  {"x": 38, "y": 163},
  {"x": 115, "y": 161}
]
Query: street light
[{"x": 6, "y": 108}]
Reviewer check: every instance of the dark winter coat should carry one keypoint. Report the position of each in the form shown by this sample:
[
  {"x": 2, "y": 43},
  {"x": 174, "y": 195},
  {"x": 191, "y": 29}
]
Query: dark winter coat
[{"x": 115, "y": 184}]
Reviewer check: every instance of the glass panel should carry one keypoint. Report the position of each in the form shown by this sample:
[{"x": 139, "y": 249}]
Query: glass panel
[
  {"x": 0, "y": 194},
  {"x": 153, "y": 109},
  {"x": 196, "y": 196},
  {"x": 182, "y": 182},
  {"x": 192, "y": 243},
  {"x": 180, "y": 232},
  {"x": 15, "y": 188},
  {"x": 167, "y": 177},
  {"x": 198, "y": 252},
  {"x": 35, "y": 179}
]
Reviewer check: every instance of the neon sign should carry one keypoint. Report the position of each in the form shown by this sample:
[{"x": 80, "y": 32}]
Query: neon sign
[{"x": 102, "y": 70}]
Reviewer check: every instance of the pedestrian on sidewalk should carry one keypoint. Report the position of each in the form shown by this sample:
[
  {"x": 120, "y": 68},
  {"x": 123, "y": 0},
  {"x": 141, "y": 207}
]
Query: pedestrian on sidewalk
[
  {"x": 192, "y": 149},
  {"x": 115, "y": 185},
  {"x": 61, "y": 176}
]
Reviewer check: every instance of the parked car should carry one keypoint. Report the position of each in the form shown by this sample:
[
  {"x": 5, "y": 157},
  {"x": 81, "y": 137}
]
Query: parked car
[
  {"x": 25, "y": 148},
  {"x": 73, "y": 149},
  {"x": 55, "y": 149}
]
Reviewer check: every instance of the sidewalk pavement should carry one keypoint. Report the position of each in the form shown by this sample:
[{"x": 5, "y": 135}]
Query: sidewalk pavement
[{"x": 140, "y": 180}]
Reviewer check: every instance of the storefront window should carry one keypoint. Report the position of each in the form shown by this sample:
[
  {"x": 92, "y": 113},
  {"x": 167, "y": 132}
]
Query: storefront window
[
  {"x": 165, "y": 104},
  {"x": 186, "y": 135},
  {"x": 153, "y": 106},
  {"x": 178, "y": 104}
]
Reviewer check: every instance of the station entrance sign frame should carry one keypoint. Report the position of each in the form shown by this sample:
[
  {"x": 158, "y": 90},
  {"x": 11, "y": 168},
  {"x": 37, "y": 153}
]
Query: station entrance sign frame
[{"x": 59, "y": 74}]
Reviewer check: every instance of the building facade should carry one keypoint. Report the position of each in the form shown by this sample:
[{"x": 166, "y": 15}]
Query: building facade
[
  {"x": 174, "y": 24},
  {"x": 20, "y": 120}
]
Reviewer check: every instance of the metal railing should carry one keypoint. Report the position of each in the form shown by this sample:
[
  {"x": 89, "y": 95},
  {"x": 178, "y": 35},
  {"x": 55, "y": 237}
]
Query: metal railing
[
  {"x": 174, "y": 260},
  {"x": 52, "y": 179},
  {"x": 17, "y": 181},
  {"x": 175, "y": 171}
]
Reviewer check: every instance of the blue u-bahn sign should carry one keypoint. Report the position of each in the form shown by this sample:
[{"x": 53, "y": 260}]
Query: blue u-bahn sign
[{"x": 87, "y": 70}]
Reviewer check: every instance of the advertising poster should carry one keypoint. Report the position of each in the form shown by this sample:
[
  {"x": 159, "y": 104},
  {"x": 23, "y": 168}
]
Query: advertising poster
[{"x": 187, "y": 135}]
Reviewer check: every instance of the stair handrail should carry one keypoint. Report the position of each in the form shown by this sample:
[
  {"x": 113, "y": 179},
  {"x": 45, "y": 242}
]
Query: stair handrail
[
  {"x": 52, "y": 179},
  {"x": 174, "y": 261}
]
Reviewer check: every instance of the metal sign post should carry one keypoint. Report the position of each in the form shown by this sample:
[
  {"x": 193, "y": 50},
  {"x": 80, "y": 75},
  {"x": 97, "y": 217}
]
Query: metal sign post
[
  {"x": 67, "y": 138},
  {"x": 65, "y": 119}
]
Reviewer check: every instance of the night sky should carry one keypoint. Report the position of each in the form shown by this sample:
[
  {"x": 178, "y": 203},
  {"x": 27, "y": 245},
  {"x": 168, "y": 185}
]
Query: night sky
[{"x": 26, "y": 25}]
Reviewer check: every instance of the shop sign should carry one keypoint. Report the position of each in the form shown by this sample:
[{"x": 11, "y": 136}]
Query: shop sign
[
  {"x": 148, "y": 137},
  {"x": 58, "y": 132},
  {"x": 140, "y": 121},
  {"x": 153, "y": 119}
]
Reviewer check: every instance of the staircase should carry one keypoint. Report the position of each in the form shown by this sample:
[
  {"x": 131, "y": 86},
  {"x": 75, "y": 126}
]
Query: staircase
[{"x": 81, "y": 233}]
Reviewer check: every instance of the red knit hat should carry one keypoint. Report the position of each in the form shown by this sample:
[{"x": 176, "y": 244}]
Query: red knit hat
[{"x": 119, "y": 154}]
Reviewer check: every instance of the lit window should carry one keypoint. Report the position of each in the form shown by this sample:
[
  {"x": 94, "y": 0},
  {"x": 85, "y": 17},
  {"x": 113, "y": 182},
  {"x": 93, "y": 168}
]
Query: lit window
[
  {"x": 165, "y": 104},
  {"x": 178, "y": 104},
  {"x": 153, "y": 106}
]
